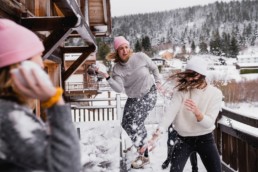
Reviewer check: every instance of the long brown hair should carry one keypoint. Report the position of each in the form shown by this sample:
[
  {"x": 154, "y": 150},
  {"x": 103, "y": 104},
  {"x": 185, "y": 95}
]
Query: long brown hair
[
  {"x": 183, "y": 82},
  {"x": 115, "y": 57},
  {"x": 7, "y": 91}
]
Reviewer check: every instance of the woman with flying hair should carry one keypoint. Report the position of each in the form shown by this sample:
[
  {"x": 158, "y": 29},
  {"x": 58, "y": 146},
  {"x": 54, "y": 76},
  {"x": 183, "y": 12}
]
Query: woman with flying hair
[{"x": 193, "y": 110}]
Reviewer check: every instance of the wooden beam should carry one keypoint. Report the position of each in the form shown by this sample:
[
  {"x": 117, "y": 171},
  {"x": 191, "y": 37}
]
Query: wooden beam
[
  {"x": 56, "y": 56},
  {"x": 85, "y": 32},
  {"x": 78, "y": 62},
  {"x": 109, "y": 18},
  {"x": 66, "y": 6},
  {"x": 74, "y": 49},
  {"x": 11, "y": 10},
  {"x": 49, "y": 23},
  {"x": 55, "y": 39}
]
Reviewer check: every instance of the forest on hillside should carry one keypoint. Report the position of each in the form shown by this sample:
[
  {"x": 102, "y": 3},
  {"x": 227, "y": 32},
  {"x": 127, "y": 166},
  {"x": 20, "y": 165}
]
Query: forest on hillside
[
  {"x": 220, "y": 28},
  {"x": 198, "y": 23}
]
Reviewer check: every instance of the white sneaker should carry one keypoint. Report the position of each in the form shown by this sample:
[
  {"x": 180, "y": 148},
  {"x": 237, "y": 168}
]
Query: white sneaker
[{"x": 140, "y": 162}]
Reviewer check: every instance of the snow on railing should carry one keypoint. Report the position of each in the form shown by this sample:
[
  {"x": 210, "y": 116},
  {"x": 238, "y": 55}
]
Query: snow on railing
[
  {"x": 237, "y": 141},
  {"x": 110, "y": 109},
  {"x": 79, "y": 86}
]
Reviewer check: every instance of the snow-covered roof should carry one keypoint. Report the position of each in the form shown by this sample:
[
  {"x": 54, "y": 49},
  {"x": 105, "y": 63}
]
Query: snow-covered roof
[
  {"x": 74, "y": 56},
  {"x": 247, "y": 65},
  {"x": 247, "y": 56},
  {"x": 157, "y": 59},
  {"x": 163, "y": 51}
]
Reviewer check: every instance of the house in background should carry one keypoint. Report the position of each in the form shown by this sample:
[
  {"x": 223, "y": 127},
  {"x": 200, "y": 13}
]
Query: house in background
[
  {"x": 158, "y": 61},
  {"x": 167, "y": 54},
  {"x": 247, "y": 61},
  {"x": 64, "y": 26}
]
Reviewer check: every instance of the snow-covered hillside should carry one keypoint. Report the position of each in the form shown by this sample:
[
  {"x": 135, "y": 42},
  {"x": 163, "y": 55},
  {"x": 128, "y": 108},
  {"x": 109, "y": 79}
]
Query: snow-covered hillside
[{"x": 182, "y": 26}]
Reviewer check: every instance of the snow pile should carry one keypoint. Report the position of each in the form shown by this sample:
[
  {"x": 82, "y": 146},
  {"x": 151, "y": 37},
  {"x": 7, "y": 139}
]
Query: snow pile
[{"x": 100, "y": 145}]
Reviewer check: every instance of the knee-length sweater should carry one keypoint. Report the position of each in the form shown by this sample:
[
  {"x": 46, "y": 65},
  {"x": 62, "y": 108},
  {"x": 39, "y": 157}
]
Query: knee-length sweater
[{"x": 27, "y": 144}]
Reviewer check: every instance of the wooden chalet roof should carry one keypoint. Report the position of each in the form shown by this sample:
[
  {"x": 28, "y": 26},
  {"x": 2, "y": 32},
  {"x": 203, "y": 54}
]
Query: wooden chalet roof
[{"x": 56, "y": 21}]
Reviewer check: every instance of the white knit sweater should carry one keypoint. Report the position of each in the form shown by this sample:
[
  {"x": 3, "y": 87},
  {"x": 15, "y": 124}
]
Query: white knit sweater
[{"x": 208, "y": 100}]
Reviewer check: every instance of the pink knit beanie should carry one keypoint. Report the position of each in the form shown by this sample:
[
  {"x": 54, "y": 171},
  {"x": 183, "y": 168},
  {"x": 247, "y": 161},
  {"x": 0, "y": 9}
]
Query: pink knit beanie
[
  {"x": 17, "y": 43},
  {"x": 118, "y": 41}
]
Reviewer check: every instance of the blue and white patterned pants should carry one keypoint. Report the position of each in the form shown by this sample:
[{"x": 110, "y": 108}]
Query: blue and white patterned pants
[{"x": 136, "y": 111}]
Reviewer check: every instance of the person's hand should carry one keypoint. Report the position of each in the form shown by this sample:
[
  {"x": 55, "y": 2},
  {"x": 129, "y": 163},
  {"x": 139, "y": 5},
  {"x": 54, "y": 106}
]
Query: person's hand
[
  {"x": 33, "y": 86},
  {"x": 103, "y": 74},
  {"x": 151, "y": 144},
  {"x": 155, "y": 137},
  {"x": 160, "y": 89},
  {"x": 191, "y": 106},
  {"x": 159, "y": 86}
]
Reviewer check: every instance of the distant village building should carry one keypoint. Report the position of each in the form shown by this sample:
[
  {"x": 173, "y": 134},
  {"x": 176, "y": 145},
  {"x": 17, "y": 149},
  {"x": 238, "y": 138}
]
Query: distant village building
[
  {"x": 167, "y": 55},
  {"x": 247, "y": 61},
  {"x": 158, "y": 61}
]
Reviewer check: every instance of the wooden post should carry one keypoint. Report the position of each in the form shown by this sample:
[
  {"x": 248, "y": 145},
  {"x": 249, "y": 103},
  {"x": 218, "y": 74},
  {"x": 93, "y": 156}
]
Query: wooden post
[
  {"x": 109, "y": 95},
  {"x": 118, "y": 107},
  {"x": 37, "y": 109}
]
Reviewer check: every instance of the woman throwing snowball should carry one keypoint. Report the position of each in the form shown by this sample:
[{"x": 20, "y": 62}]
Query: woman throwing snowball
[
  {"x": 137, "y": 76},
  {"x": 27, "y": 143}
]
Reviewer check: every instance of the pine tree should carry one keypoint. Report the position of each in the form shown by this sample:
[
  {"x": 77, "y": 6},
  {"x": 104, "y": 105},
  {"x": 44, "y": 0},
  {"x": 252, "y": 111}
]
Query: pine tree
[
  {"x": 146, "y": 44},
  {"x": 103, "y": 49},
  {"x": 203, "y": 48},
  {"x": 184, "y": 49},
  {"x": 193, "y": 47},
  {"x": 137, "y": 46},
  {"x": 225, "y": 44},
  {"x": 215, "y": 43},
  {"x": 234, "y": 47}
]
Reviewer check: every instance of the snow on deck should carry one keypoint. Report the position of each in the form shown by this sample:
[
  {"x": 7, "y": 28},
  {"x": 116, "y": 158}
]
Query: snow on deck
[{"x": 100, "y": 148}]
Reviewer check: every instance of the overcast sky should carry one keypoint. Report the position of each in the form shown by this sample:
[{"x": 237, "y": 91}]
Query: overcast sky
[{"x": 126, "y": 7}]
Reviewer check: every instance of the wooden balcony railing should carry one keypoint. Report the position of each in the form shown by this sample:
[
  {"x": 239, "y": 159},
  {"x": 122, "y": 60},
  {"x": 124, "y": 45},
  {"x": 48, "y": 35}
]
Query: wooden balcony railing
[
  {"x": 83, "y": 86},
  {"x": 80, "y": 86},
  {"x": 237, "y": 141},
  {"x": 110, "y": 109}
]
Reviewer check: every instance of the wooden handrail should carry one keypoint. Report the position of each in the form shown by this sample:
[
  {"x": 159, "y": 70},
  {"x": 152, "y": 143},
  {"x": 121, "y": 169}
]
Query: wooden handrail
[
  {"x": 238, "y": 149},
  {"x": 236, "y": 116}
]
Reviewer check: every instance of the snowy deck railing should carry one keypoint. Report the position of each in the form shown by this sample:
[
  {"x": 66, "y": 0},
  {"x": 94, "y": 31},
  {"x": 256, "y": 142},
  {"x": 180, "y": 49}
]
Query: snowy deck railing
[
  {"x": 79, "y": 86},
  {"x": 109, "y": 109},
  {"x": 112, "y": 111},
  {"x": 237, "y": 141},
  {"x": 82, "y": 86}
]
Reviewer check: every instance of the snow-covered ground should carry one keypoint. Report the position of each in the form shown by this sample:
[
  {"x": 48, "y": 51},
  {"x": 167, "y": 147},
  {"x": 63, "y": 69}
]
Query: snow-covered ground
[{"x": 100, "y": 147}]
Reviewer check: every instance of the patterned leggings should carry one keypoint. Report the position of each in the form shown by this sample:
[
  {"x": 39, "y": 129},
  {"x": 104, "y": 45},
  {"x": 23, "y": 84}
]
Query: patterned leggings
[{"x": 135, "y": 112}]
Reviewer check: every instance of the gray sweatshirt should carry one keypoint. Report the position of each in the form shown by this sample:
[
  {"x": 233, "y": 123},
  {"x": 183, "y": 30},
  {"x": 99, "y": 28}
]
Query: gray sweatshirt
[{"x": 135, "y": 77}]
